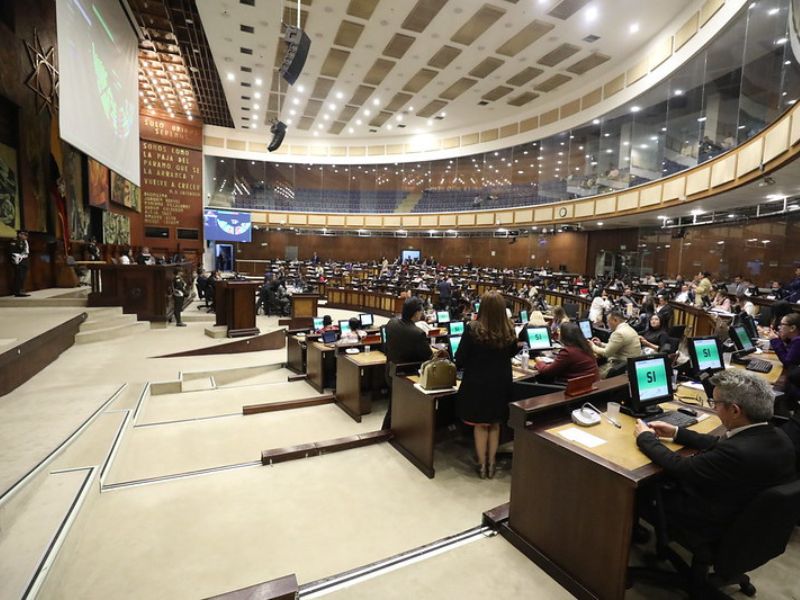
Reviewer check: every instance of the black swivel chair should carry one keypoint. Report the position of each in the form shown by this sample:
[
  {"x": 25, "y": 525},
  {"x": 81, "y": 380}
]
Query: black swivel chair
[
  {"x": 571, "y": 309},
  {"x": 758, "y": 535},
  {"x": 676, "y": 331}
]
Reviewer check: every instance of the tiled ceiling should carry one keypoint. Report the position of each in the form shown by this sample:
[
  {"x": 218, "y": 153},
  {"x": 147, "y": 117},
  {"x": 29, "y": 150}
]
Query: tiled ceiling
[{"x": 382, "y": 68}]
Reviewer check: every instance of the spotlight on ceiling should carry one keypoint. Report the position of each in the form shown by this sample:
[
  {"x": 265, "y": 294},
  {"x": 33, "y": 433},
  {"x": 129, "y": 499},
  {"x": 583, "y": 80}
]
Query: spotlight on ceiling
[{"x": 278, "y": 130}]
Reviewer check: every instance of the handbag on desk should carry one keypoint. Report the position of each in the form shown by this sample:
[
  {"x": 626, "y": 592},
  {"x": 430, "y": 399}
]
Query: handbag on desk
[{"x": 437, "y": 373}]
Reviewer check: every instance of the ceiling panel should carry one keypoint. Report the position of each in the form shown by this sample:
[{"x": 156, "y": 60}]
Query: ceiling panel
[
  {"x": 523, "y": 98},
  {"x": 305, "y": 123},
  {"x": 595, "y": 59},
  {"x": 431, "y": 108},
  {"x": 497, "y": 93},
  {"x": 486, "y": 66},
  {"x": 348, "y": 34},
  {"x": 548, "y": 85},
  {"x": 566, "y": 8},
  {"x": 444, "y": 56},
  {"x": 525, "y": 76},
  {"x": 361, "y": 94},
  {"x": 422, "y": 14},
  {"x": 312, "y": 108},
  {"x": 380, "y": 118},
  {"x": 378, "y": 72},
  {"x": 362, "y": 9},
  {"x": 348, "y": 112},
  {"x": 322, "y": 87},
  {"x": 484, "y": 17},
  {"x": 334, "y": 62},
  {"x": 458, "y": 88},
  {"x": 422, "y": 78},
  {"x": 398, "y": 45},
  {"x": 336, "y": 127},
  {"x": 527, "y": 36},
  {"x": 398, "y": 101},
  {"x": 562, "y": 53}
]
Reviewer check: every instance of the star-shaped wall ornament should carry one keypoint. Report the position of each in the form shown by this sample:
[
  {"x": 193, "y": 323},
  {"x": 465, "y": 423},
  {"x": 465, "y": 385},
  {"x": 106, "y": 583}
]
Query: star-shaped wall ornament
[{"x": 43, "y": 79}]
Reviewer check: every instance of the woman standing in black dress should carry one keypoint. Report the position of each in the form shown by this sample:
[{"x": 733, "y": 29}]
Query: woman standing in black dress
[{"x": 485, "y": 355}]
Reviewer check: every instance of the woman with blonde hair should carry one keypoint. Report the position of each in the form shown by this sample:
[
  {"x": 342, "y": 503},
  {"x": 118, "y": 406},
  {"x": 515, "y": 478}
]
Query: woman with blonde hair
[{"x": 485, "y": 355}]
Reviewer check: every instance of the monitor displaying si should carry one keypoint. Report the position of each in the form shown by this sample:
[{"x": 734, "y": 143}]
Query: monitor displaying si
[
  {"x": 706, "y": 354},
  {"x": 523, "y": 316},
  {"x": 227, "y": 226},
  {"x": 442, "y": 316},
  {"x": 539, "y": 338},
  {"x": 457, "y": 328},
  {"x": 344, "y": 326},
  {"x": 650, "y": 381},
  {"x": 454, "y": 343},
  {"x": 318, "y": 323},
  {"x": 477, "y": 307},
  {"x": 741, "y": 339},
  {"x": 366, "y": 319},
  {"x": 328, "y": 337},
  {"x": 586, "y": 328}
]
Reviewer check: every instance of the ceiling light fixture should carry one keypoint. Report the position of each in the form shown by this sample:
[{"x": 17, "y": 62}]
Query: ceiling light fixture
[{"x": 634, "y": 28}]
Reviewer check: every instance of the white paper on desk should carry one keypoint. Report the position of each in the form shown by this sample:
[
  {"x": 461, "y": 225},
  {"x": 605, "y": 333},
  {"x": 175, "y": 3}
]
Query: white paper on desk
[
  {"x": 573, "y": 434},
  {"x": 419, "y": 388},
  {"x": 692, "y": 385}
]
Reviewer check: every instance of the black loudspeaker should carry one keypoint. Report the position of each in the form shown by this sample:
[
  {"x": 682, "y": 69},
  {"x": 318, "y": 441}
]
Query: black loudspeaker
[
  {"x": 278, "y": 130},
  {"x": 297, "y": 45}
]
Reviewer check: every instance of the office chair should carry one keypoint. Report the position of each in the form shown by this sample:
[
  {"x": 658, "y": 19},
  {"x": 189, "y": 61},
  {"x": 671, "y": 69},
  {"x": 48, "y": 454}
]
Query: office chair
[
  {"x": 620, "y": 369},
  {"x": 676, "y": 331},
  {"x": 759, "y": 534},
  {"x": 571, "y": 309}
]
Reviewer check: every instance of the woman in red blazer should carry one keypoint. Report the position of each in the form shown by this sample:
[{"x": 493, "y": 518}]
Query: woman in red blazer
[{"x": 575, "y": 359}]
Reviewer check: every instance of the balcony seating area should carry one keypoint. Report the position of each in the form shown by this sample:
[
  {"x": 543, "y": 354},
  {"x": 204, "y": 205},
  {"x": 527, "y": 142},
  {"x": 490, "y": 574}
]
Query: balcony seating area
[{"x": 306, "y": 200}]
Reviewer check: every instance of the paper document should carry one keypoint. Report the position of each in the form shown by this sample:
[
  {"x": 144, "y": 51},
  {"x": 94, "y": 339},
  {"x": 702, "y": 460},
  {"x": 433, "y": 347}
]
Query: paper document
[{"x": 573, "y": 434}]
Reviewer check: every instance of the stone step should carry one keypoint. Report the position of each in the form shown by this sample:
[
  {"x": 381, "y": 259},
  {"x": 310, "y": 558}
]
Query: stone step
[
  {"x": 199, "y": 317},
  {"x": 107, "y": 322},
  {"x": 13, "y": 301},
  {"x": 110, "y": 333}
]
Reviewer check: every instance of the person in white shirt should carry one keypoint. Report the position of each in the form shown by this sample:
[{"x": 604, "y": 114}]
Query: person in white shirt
[
  {"x": 683, "y": 296},
  {"x": 125, "y": 257},
  {"x": 600, "y": 305},
  {"x": 356, "y": 332}
]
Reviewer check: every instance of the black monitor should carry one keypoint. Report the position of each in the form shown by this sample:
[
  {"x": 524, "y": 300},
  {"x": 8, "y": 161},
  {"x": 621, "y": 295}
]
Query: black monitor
[
  {"x": 650, "y": 382},
  {"x": 748, "y": 322},
  {"x": 523, "y": 316},
  {"x": 329, "y": 337},
  {"x": 344, "y": 326},
  {"x": 442, "y": 316},
  {"x": 318, "y": 323},
  {"x": 742, "y": 340},
  {"x": 366, "y": 319},
  {"x": 539, "y": 338},
  {"x": 586, "y": 328},
  {"x": 454, "y": 340},
  {"x": 456, "y": 328},
  {"x": 706, "y": 354}
]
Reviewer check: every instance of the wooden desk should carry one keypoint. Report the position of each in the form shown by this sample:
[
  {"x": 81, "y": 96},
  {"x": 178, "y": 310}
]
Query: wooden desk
[
  {"x": 358, "y": 378},
  {"x": 296, "y": 353},
  {"x": 572, "y": 507},
  {"x": 320, "y": 365},
  {"x": 415, "y": 416},
  {"x": 235, "y": 306}
]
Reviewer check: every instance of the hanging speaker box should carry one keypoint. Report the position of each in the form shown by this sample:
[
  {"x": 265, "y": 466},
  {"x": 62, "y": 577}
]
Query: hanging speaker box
[{"x": 297, "y": 45}]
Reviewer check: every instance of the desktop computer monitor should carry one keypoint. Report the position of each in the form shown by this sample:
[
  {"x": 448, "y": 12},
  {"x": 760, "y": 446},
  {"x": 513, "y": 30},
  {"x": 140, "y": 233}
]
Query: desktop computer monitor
[
  {"x": 454, "y": 340},
  {"x": 706, "y": 354},
  {"x": 318, "y": 323},
  {"x": 366, "y": 319},
  {"x": 329, "y": 337},
  {"x": 650, "y": 382},
  {"x": 586, "y": 328},
  {"x": 344, "y": 326},
  {"x": 442, "y": 316},
  {"x": 742, "y": 319},
  {"x": 523, "y": 316},
  {"x": 456, "y": 328},
  {"x": 383, "y": 334},
  {"x": 477, "y": 307},
  {"x": 539, "y": 338},
  {"x": 742, "y": 340}
]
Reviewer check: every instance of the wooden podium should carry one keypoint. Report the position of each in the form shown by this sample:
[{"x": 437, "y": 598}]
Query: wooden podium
[
  {"x": 235, "y": 305},
  {"x": 304, "y": 309}
]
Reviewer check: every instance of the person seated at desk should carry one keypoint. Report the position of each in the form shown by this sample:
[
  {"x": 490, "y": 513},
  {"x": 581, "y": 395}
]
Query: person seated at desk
[
  {"x": 647, "y": 310},
  {"x": 485, "y": 353},
  {"x": 356, "y": 332},
  {"x": 559, "y": 317},
  {"x": 721, "y": 301},
  {"x": 779, "y": 310},
  {"x": 685, "y": 296},
  {"x": 125, "y": 257},
  {"x": 623, "y": 343},
  {"x": 575, "y": 359},
  {"x": 743, "y": 303},
  {"x": 792, "y": 289},
  {"x": 664, "y": 310},
  {"x": 327, "y": 325},
  {"x": 145, "y": 258},
  {"x": 405, "y": 343},
  {"x": 599, "y": 307},
  {"x": 786, "y": 343},
  {"x": 655, "y": 336},
  {"x": 627, "y": 298},
  {"x": 716, "y": 484}
]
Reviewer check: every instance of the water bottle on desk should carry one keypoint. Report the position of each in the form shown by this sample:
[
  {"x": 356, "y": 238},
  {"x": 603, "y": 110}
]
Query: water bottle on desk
[{"x": 524, "y": 359}]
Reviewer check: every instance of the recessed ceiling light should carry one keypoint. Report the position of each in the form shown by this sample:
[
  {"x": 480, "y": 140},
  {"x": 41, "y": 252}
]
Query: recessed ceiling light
[
  {"x": 591, "y": 13},
  {"x": 635, "y": 109},
  {"x": 319, "y": 126},
  {"x": 256, "y": 106},
  {"x": 634, "y": 28},
  {"x": 358, "y": 121},
  {"x": 253, "y": 126},
  {"x": 599, "y": 223},
  {"x": 339, "y": 95},
  {"x": 350, "y": 130},
  {"x": 301, "y": 89},
  {"x": 696, "y": 211},
  {"x": 773, "y": 11},
  {"x": 389, "y": 127},
  {"x": 595, "y": 121},
  {"x": 376, "y": 101},
  {"x": 430, "y": 122},
  {"x": 295, "y": 101},
  {"x": 231, "y": 76},
  {"x": 258, "y": 81},
  {"x": 781, "y": 41},
  {"x": 326, "y": 116},
  {"x": 410, "y": 108},
  {"x": 332, "y": 106},
  {"x": 366, "y": 112},
  {"x": 316, "y": 134},
  {"x": 679, "y": 92},
  {"x": 701, "y": 119},
  {"x": 257, "y": 95},
  {"x": 292, "y": 111},
  {"x": 288, "y": 121},
  {"x": 399, "y": 117}
]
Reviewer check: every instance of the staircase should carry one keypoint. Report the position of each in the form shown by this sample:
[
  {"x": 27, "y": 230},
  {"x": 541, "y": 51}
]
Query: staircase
[
  {"x": 108, "y": 324},
  {"x": 409, "y": 202}
]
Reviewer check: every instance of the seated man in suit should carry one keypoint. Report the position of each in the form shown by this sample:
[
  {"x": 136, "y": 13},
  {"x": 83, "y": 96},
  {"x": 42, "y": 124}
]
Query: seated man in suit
[
  {"x": 405, "y": 342},
  {"x": 623, "y": 343},
  {"x": 716, "y": 484}
]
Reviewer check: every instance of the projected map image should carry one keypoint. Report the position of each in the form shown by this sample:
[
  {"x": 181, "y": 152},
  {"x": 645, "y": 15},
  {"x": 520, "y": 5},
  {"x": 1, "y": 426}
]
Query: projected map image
[
  {"x": 118, "y": 110},
  {"x": 227, "y": 226}
]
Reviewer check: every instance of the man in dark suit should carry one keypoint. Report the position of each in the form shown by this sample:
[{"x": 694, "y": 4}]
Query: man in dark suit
[
  {"x": 405, "y": 342},
  {"x": 445, "y": 288},
  {"x": 664, "y": 310},
  {"x": 20, "y": 251},
  {"x": 715, "y": 485}
]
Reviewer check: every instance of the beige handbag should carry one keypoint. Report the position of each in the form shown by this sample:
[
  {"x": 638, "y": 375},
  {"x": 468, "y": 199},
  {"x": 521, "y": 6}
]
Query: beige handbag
[{"x": 437, "y": 373}]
